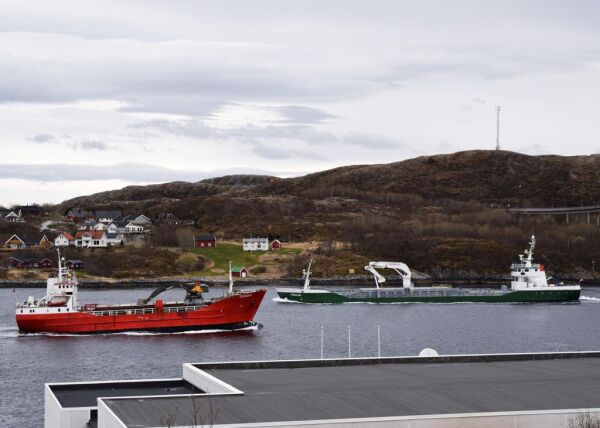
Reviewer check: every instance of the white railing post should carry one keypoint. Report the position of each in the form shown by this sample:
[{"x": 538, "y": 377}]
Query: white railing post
[
  {"x": 349, "y": 345},
  {"x": 322, "y": 328},
  {"x": 378, "y": 341}
]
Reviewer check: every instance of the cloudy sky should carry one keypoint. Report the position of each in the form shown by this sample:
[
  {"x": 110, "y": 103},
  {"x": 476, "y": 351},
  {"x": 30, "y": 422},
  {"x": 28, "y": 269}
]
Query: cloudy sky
[{"x": 98, "y": 95}]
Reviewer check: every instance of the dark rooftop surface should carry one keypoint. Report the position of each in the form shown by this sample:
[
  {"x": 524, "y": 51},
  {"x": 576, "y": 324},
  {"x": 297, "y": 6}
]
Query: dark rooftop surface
[
  {"x": 85, "y": 395},
  {"x": 381, "y": 390}
]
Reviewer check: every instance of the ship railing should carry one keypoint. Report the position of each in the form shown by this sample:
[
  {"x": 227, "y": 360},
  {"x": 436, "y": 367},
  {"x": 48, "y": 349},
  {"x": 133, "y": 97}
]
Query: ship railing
[
  {"x": 112, "y": 312},
  {"x": 172, "y": 309},
  {"x": 517, "y": 266},
  {"x": 426, "y": 293},
  {"x": 142, "y": 311}
]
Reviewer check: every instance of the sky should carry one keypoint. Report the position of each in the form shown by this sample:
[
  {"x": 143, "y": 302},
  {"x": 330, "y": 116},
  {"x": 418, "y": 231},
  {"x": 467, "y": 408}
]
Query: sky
[{"x": 99, "y": 95}]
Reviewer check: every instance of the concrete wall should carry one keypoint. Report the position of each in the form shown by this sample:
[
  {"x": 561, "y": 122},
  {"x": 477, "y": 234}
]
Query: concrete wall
[
  {"x": 335, "y": 362},
  {"x": 106, "y": 418},
  {"x": 541, "y": 419},
  {"x": 206, "y": 382},
  {"x": 56, "y": 416}
]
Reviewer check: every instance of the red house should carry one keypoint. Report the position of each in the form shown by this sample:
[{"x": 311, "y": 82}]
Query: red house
[
  {"x": 205, "y": 241},
  {"x": 239, "y": 271},
  {"x": 28, "y": 263},
  {"x": 74, "y": 264},
  {"x": 276, "y": 244}
]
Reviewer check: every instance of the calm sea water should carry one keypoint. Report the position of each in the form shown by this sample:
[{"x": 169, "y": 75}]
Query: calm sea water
[{"x": 290, "y": 331}]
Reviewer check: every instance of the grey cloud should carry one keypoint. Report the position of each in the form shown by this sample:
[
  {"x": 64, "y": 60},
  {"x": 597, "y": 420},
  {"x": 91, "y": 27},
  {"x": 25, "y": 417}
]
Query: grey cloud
[
  {"x": 181, "y": 77},
  {"x": 93, "y": 145},
  {"x": 42, "y": 138},
  {"x": 302, "y": 114},
  {"x": 194, "y": 78},
  {"x": 132, "y": 172},
  {"x": 271, "y": 141},
  {"x": 68, "y": 140}
]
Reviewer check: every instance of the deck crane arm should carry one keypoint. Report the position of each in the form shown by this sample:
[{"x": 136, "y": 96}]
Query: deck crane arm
[
  {"x": 400, "y": 268},
  {"x": 193, "y": 290}
]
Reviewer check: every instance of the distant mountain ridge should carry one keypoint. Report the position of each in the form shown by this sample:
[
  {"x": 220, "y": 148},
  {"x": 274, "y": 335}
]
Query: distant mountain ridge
[
  {"x": 485, "y": 176},
  {"x": 441, "y": 214}
]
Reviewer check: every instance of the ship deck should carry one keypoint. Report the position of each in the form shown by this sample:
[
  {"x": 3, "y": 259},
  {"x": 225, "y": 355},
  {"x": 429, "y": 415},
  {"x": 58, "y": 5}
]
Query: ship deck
[{"x": 378, "y": 390}]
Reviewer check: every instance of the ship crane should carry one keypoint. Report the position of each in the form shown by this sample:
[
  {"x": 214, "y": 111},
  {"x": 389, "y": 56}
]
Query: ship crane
[
  {"x": 400, "y": 268},
  {"x": 193, "y": 291}
]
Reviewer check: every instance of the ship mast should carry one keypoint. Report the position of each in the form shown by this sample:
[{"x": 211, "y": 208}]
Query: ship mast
[
  {"x": 230, "y": 279},
  {"x": 306, "y": 275},
  {"x": 60, "y": 273}
]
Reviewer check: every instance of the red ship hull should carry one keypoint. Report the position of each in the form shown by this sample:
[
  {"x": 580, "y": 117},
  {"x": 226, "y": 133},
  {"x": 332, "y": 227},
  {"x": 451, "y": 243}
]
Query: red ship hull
[{"x": 228, "y": 313}]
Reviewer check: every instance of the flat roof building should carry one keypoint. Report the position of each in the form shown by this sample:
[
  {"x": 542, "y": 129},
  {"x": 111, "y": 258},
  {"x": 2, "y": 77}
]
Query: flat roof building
[{"x": 499, "y": 390}]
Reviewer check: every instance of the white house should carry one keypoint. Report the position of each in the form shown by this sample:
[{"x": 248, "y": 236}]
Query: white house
[
  {"x": 256, "y": 244},
  {"x": 64, "y": 240},
  {"x": 111, "y": 228},
  {"x": 132, "y": 227},
  {"x": 13, "y": 217},
  {"x": 142, "y": 219},
  {"x": 114, "y": 238},
  {"x": 91, "y": 239}
]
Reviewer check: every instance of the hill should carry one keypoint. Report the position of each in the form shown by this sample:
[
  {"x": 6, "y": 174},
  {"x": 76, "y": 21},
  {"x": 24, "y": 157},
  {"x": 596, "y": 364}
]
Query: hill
[{"x": 439, "y": 213}]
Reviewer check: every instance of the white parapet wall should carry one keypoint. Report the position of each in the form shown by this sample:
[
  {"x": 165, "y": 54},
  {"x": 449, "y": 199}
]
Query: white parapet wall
[
  {"x": 529, "y": 419},
  {"x": 106, "y": 418},
  {"x": 206, "y": 382},
  {"x": 56, "y": 416}
]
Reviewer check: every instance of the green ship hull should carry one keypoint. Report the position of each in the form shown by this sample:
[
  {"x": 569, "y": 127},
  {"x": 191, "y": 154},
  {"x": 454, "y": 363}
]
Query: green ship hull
[{"x": 419, "y": 296}]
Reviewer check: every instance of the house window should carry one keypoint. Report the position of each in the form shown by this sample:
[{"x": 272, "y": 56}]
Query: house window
[
  {"x": 96, "y": 242},
  {"x": 210, "y": 244}
]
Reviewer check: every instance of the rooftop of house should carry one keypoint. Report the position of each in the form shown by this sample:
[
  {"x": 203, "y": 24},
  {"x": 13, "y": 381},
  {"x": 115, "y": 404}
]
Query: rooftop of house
[
  {"x": 79, "y": 212},
  {"x": 94, "y": 234},
  {"x": 27, "y": 238},
  {"x": 205, "y": 238},
  {"x": 107, "y": 213},
  {"x": 28, "y": 259},
  {"x": 121, "y": 223},
  {"x": 252, "y": 240}
]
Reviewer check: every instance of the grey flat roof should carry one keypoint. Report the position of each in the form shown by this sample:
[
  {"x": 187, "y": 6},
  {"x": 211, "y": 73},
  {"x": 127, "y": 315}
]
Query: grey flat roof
[
  {"x": 380, "y": 390},
  {"x": 85, "y": 395}
]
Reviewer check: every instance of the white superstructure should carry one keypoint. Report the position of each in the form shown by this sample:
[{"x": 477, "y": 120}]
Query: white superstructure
[
  {"x": 526, "y": 274},
  {"x": 61, "y": 293}
]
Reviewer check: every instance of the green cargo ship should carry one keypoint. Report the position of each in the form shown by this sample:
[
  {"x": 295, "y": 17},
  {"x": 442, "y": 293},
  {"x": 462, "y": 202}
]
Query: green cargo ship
[{"x": 528, "y": 285}]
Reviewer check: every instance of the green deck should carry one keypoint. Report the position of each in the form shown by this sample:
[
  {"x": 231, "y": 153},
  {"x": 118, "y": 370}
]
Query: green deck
[{"x": 415, "y": 296}]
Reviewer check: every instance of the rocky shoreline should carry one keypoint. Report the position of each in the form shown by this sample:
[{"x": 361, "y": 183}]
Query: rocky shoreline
[{"x": 353, "y": 280}]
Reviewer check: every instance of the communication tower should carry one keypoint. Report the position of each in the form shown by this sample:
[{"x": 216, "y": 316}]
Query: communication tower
[{"x": 497, "y": 127}]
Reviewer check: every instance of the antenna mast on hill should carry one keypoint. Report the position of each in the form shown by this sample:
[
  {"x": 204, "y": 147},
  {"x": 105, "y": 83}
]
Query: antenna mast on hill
[{"x": 497, "y": 127}]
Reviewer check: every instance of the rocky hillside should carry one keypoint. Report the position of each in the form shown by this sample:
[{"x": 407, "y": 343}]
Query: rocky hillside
[
  {"x": 443, "y": 210},
  {"x": 484, "y": 176}
]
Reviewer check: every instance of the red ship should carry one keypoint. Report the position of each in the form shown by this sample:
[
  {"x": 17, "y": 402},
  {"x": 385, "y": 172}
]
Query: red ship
[{"x": 58, "y": 311}]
